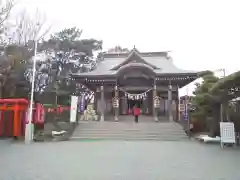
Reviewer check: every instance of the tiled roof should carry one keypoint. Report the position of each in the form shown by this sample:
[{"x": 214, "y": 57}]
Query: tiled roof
[{"x": 160, "y": 60}]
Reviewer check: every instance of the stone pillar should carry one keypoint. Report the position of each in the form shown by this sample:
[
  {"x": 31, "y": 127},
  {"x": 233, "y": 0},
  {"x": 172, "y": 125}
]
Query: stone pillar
[
  {"x": 102, "y": 104},
  {"x": 154, "y": 104},
  {"x": 170, "y": 113},
  {"x": 116, "y": 109}
]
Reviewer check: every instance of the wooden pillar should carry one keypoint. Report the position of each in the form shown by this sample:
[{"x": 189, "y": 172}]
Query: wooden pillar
[
  {"x": 16, "y": 122},
  {"x": 116, "y": 108},
  {"x": 177, "y": 110},
  {"x": 154, "y": 104},
  {"x": 95, "y": 101},
  {"x": 178, "y": 105},
  {"x": 170, "y": 113},
  {"x": 124, "y": 106},
  {"x": 102, "y": 103}
]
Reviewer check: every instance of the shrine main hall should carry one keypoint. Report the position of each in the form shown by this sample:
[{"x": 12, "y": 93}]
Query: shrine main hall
[{"x": 148, "y": 80}]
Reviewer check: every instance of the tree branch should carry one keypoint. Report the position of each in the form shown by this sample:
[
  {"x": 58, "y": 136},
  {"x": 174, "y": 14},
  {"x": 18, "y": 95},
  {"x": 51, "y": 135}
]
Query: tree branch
[
  {"x": 28, "y": 29},
  {"x": 5, "y": 10}
]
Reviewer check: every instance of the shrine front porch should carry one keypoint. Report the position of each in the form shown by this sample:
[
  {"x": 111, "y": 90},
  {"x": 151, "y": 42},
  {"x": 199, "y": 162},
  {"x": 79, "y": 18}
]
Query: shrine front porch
[{"x": 109, "y": 109}]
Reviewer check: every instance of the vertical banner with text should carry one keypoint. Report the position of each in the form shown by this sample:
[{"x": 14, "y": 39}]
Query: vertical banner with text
[
  {"x": 73, "y": 111},
  {"x": 82, "y": 103}
]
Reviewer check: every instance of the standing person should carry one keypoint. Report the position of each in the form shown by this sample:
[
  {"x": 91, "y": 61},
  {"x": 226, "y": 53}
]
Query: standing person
[{"x": 136, "y": 112}]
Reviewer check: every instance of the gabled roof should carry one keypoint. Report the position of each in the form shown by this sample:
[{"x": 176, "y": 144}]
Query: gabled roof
[
  {"x": 160, "y": 62},
  {"x": 134, "y": 57}
]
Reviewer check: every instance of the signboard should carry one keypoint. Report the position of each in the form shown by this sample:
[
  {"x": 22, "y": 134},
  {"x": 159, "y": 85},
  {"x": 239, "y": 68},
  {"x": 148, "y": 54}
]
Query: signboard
[
  {"x": 73, "y": 111},
  {"x": 227, "y": 132}
]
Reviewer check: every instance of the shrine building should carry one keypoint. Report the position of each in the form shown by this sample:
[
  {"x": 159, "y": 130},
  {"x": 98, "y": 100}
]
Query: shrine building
[{"x": 149, "y": 80}]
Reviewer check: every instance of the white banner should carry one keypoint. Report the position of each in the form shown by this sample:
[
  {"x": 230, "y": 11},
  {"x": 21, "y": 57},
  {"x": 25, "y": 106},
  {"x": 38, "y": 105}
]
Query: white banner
[
  {"x": 135, "y": 96},
  {"x": 73, "y": 112},
  {"x": 227, "y": 132}
]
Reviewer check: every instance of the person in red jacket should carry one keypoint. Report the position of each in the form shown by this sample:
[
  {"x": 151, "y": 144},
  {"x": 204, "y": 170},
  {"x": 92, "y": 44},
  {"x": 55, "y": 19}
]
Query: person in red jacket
[{"x": 136, "y": 112}]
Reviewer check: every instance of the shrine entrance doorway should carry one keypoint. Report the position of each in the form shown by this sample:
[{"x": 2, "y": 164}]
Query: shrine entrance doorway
[
  {"x": 129, "y": 100},
  {"x": 132, "y": 103},
  {"x": 135, "y": 85}
]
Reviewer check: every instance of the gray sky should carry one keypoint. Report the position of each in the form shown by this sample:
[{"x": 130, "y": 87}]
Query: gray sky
[{"x": 202, "y": 34}]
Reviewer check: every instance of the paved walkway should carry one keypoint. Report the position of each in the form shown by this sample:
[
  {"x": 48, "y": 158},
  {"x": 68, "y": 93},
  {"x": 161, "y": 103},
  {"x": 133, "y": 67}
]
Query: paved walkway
[{"x": 118, "y": 160}]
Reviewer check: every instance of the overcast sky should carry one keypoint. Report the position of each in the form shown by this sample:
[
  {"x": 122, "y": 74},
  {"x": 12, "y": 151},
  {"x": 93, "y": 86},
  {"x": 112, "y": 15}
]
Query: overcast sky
[{"x": 202, "y": 34}]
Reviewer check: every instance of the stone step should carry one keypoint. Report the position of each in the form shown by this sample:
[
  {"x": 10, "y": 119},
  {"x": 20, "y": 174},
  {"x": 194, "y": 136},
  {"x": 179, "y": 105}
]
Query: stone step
[
  {"x": 129, "y": 138},
  {"x": 125, "y": 129},
  {"x": 129, "y": 126},
  {"x": 130, "y": 135},
  {"x": 128, "y": 131},
  {"x": 125, "y": 125},
  {"x": 127, "y": 122}
]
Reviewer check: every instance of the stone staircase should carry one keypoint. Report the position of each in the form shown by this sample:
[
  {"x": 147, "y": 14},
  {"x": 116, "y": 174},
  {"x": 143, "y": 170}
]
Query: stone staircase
[{"x": 166, "y": 131}]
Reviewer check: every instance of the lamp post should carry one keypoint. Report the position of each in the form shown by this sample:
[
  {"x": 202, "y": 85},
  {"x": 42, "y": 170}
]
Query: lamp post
[
  {"x": 221, "y": 106},
  {"x": 29, "y": 127}
]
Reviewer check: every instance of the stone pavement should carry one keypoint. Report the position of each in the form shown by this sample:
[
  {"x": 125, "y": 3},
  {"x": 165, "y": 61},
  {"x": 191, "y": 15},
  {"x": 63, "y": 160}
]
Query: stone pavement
[{"x": 118, "y": 160}]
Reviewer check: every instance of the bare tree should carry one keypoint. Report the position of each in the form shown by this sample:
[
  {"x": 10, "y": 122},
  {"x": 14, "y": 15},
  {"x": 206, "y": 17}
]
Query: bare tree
[
  {"x": 29, "y": 28},
  {"x": 118, "y": 49},
  {"x": 5, "y": 10},
  {"x": 6, "y": 7}
]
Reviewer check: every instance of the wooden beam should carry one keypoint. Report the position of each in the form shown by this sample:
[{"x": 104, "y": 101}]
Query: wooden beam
[{"x": 141, "y": 88}]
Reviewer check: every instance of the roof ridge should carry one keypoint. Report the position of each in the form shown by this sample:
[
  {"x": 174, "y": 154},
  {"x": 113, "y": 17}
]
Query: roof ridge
[{"x": 132, "y": 53}]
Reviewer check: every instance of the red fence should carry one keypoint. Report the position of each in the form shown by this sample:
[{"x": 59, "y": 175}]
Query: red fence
[{"x": 13, "y": 116}]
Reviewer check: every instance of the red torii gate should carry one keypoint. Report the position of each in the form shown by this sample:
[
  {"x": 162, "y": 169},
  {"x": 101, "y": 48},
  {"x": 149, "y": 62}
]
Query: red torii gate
[{"x": 13, "y": 117}]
